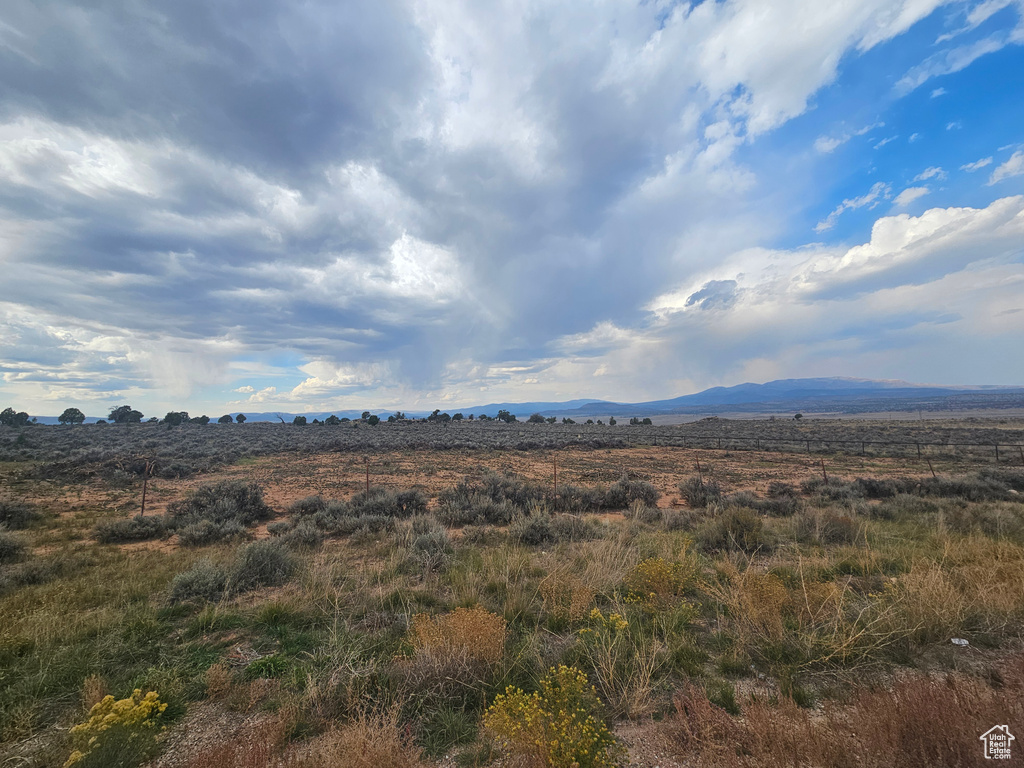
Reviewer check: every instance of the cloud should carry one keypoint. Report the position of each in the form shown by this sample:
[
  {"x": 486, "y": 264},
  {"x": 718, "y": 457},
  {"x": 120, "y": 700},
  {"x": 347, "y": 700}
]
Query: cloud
[
  {"x": 946, "y": 279},
  {"x": 977, "y": 165},
  {"x": 715, "y": 294},
  {"x": 1012, "y": 167},
  {"x": 323, "y": 203},
  {"x": 826, "y": 144},
  {"x": 909, "y": 195},
  {"x": 934, "y": 172},
  {"x": 885, "y": 141},
  {"x": 879, "y": 191},
  {"x": 951, "y": 60},
  {"x": 954, "y": 125}
]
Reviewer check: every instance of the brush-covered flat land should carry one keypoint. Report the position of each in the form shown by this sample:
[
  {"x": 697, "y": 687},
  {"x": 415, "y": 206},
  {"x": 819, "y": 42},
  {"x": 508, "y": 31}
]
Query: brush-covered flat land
[{"x": 757, "y": 593}]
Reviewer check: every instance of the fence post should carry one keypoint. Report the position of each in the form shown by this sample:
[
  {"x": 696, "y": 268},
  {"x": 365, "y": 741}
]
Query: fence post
[
  {"x": 918, "y": 450},
  {"x": 997, "y": 453},
  {"x": 145, "y": 481}
]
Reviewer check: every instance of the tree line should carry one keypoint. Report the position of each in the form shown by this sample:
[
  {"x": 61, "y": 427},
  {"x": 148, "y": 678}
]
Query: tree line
[{"x": 125, "y": 414}]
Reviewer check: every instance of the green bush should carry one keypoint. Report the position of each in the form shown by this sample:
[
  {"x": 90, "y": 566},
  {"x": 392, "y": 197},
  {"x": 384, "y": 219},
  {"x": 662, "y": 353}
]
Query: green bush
[
  {"x": 136, "y": 528},
  {"x": 541, "y": 527},
  {"x": 575, "y": 500},
  {"x": 737, "y": 528},
  {"x": 203, "y": 581},
  {"x": 382, "y": 502},
  {"x": 11, "y": 547},
  {"x": 700, "y": 493},
  {"x": 627, "y": 490},
  {"x": 310, "y": 505},
  {"x": 229, "y": 501},
  {"x": 16, "y": 514},
  {"x": 205, "y": 532},
  {"x": 264, "y": 563}
]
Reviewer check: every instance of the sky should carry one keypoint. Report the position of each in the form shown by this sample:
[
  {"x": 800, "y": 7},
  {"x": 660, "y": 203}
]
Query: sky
[{"x": 254, "y": 206}]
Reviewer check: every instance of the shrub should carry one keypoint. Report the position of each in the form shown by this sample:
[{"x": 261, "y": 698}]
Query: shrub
[
  {"x": 138, "y": 528},
  {"x": 382, "y": 502},
  {"x": 575, "y": 500},
  {"x": 626, "y": 490},
  {"x": 573, "y": 528},
  {"x": 531, "y": 529},
  {"x": 558, "y": 726},
  {"x": 432, "y": 546},
  {"x": 474, "y": 509},
  {"x": 872, "y": 488},
  {"x": 203, "y": 581},
  {"x": 824, "y": 527},
  {"x": 659, "y": 584},
  {"x": 15, "y": 514},
  {"x": 310, "y": 505},
  {"x": 737, "y": 528},
  {"x": 348, "y": 524},
  {"x": 261, "y": 564},
  {"x": 454, "y": 656},
  {"x": 473, "y": 632},
  {"x": 700, "y": 493},
  {"x": 208, "y": 532},
  {"x": 229, "y": 501},
  {"x": 642, "y": 513},
  {"x": 305, "y": 534},
  {"x": 121, "y": 733},
  {"x": 11, "y": 547},
  {"x": 566, "y": 597}
]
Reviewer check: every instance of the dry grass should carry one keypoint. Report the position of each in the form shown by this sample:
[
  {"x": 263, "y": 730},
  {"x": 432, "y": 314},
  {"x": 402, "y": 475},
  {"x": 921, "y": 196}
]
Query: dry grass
[
  {"x": 566, "y": 597},
  {"x": 472, "y": 632},
  {"x": 374, "y": 739},
  {"x": 920, "y": 722}
]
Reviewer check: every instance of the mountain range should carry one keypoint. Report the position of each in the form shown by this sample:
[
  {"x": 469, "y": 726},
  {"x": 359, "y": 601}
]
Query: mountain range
[{"x": 822, "y": 395}]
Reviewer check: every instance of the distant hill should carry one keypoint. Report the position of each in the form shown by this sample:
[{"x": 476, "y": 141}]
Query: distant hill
[{"x": 841, "y": 395}]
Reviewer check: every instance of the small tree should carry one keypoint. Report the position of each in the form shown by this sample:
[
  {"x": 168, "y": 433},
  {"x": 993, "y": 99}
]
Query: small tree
[
  {"x": 505, "y": 416},
  {"x": 332, "y": 420},
  {"x": 365, "y": 416},
  {"x": 566, "y": 420},
  {"x": 175, "y": 418},
  {"x": 125, "y": 414},
  {"x": 798, "y": 416},
  {"x": 612, "y": 421},
  {"x": 457, "y": 417},
  {"x": 299, "y": 421},
  {"x": 225, "y": 419},
  {"x": 535, "y": 418},
  {"x": 240, "y": 418},
  {"x": 204, "y": 420},
  {"x": 11, "y": 418},
  {"x": 71, "y": 416},
  {"x": 374, "y": 420}
]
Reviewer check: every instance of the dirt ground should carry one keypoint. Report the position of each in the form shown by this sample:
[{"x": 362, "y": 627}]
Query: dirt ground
[{"x": 289, "y": 477}]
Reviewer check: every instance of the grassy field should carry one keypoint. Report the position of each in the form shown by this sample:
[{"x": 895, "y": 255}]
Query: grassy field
[{"x": 498, "y": 597}]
